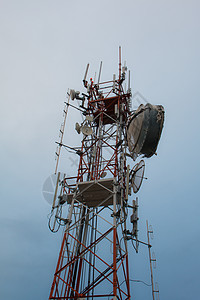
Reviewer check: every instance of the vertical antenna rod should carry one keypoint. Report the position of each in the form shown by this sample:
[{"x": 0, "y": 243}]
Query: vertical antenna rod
[
  {"x": 129, "y": 81},
  {"x": 120, "y": 63},
  {"x": 84, "y": 79},
  {"x": 99, "y": 73},
  {"x": 86, "y": 71}
]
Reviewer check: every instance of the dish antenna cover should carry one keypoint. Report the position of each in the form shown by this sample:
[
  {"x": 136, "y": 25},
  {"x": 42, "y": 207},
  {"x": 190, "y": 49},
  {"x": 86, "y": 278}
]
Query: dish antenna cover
[{"x": 144, "y": 130}]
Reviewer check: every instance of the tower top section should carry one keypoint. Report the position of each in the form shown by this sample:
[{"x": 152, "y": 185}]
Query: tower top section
[{"x": 103, "y": 97}]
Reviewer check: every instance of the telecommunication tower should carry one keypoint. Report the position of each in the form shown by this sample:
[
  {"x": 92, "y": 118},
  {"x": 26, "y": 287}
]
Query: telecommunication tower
[{"x": 93, "y": 260}]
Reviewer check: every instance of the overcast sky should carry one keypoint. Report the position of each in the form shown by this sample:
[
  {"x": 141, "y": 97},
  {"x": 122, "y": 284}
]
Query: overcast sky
[{"x": 44, "y": 49}]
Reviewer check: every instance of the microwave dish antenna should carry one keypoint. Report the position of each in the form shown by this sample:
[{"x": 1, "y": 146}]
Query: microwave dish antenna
[
  {"x": 144, "y": 130},
  {"x": 74, "y": 94},
  {"x": 137, "y": 175},
  {"x": 86, "y": 130}
]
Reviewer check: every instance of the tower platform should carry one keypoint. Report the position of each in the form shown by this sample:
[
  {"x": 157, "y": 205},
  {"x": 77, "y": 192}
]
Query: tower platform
[{"x": 94, "y": 193}]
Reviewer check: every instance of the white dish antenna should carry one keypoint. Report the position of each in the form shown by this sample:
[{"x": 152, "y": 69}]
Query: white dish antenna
[
  {"x": 86, "y": 130},
  {"x": 137, "y": 176}
]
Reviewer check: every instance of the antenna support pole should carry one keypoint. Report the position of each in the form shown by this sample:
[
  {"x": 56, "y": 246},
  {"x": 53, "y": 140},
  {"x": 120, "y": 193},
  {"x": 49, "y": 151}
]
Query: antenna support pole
[{"x": 154, "y": 290}]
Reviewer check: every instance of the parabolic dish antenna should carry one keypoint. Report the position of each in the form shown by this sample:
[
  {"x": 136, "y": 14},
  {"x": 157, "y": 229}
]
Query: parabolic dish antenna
[
  {"x": 137, "y": 176},
  {"x": 86, "y": 130},
  {"x": 144, "y": 130},
  {"x": 74, "y": 94}
]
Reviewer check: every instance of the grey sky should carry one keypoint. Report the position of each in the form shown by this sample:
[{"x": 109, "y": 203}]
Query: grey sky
[{"x": 44, "y": 48}]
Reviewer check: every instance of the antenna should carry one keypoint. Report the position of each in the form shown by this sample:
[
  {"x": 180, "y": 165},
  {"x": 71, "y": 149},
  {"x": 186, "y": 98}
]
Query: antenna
[
  {"x": 137, "y": 176},
  {"x": 127, "y": 181},
  {"x": 95, "y": 75},
  {"x": 99, "y": 73},
  {"x": 134, "y": 220},
  {"x": 89, "y": 118},
  {"x": 62, "y": 129},
  {"x": 129, "y": 81},
  {"x": 86, "y": 71},
  {"x": 120, "y": 63},
  {"x": 155, "y": 289},
  {"x": 86, "y": 130},
  {"x": 154, "y": 259},
  {"x": 56, "y": 189},
  {"x": 144, "y": 129},
  {"x": 114, "y": 78},
  {"x": 78, "y": 128}
]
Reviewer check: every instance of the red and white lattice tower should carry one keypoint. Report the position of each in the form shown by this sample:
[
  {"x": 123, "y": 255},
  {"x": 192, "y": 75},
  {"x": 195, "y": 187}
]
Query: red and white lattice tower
[{"x": 93, "y": 260}]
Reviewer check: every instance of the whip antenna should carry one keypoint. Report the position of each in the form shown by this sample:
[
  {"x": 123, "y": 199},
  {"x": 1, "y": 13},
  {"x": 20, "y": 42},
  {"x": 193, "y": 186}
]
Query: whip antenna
[{"x": 99, "y": 72}]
